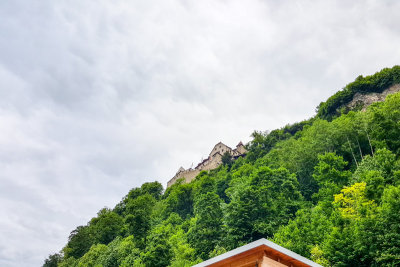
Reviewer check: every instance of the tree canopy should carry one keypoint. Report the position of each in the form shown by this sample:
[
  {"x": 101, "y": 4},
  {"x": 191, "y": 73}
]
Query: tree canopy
[{"x": 327, "y": 188}]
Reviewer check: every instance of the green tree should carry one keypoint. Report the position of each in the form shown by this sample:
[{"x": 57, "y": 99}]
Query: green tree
[
  {"x": 384, "y": 123},
  {"x": 158, "y": 251},
  {"x": 307, "y": 230},
  {"x": 227, "y": 159},
  {"x": 91, "y": 258},
  {"x": 331, "y": 176},
  {"x": 352, "y": 241},
  {"x": 53, "y": 260},
  {"x": 257, "y": 210},
  {"x": 384, "y": 161},
  {"x": 110, "y": 257},
  {"x": 184, "y": 254},
  {"x": 153, "y": 189},
  {"x": 378, "y": 171},
  {"x": 138, "y": 218},
  {"x": 128, "y": 252},
  {"x": 79, "y": 242},
  {"x": 68, "y": 262},
  {"x": 106, "y": 226},
  {"x": 389, "y": 228},
  {"x": 180, "y": 200},
  {"x": 206, "y": 232},
  {"x": 204, "y": 183},
  {"x": 293, "y": 185}
]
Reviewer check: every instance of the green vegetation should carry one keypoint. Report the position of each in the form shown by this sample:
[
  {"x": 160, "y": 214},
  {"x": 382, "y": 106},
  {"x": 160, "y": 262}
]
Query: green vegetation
[
  {"x": 326, "y": 189},
  {"x": 371, "y": 84}
]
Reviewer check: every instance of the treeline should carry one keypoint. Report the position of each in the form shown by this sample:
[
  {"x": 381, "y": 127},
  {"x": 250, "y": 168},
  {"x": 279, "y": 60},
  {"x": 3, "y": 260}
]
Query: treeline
[
  {"x": 371, "y": 84},
  {"x": 328, "y": 190}
]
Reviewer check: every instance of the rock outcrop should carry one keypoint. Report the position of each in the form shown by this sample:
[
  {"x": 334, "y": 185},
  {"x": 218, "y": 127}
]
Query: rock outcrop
[{"x": 364, "y": 100}]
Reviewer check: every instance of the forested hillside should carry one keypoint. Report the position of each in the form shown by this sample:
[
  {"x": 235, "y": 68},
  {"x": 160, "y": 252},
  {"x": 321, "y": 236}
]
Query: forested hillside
[
  {"x": 327, "y": 188},
  {"x": 376, "y": 83}
]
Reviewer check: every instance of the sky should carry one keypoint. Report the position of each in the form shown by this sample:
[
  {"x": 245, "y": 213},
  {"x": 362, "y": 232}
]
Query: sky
[{"x": 98, "y": 97}]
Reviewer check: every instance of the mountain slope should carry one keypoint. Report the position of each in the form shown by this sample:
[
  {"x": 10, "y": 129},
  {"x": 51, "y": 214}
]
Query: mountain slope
[{"x": 327, "y": 188}]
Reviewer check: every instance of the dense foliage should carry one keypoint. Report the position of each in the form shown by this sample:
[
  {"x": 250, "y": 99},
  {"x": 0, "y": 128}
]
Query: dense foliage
[
  {"x": 328, "y": 190},
  {"x": 371, "y": 84}
]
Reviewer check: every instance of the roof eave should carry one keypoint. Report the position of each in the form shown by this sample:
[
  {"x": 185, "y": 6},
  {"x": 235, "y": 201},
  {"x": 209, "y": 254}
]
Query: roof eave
[{"x": 255, "y": 244}]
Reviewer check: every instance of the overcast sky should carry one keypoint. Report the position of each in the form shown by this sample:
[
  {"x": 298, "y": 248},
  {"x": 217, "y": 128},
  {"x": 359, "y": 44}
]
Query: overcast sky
[{"x": 98, "y": 97}]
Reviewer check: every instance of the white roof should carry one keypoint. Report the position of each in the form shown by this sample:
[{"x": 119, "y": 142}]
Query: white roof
[{"x": 255, "y": 244}]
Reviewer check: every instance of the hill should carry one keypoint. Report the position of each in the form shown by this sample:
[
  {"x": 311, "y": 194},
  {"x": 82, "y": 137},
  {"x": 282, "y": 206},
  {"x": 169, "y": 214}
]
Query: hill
[
  {"x": 327, "y": 188},
  {"x": 377, "y": 83}
]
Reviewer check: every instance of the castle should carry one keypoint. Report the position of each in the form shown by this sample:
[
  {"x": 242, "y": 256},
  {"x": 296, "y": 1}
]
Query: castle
[{"x": 211, "y": 162}]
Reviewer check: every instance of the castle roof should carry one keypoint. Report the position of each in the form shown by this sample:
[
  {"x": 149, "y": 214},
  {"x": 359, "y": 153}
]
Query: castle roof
[{"x": 216, "y": 153}]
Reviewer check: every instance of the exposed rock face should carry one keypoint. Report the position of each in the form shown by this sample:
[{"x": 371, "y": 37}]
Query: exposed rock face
[
  {"x": 212, "y": 162},
  {"x": 365, "y": 100}
]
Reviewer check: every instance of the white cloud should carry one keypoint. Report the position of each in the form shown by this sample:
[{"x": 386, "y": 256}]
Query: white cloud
[{"x": 99, "y": 97}]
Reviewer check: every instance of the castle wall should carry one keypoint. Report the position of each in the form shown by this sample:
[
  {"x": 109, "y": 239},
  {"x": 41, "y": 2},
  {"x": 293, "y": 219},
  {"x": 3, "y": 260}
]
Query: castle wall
[
  {"x": 220, "y": 148},
  {"x": 212, "y": 162},
  {"x": 241, "y": 149},
  {"x": 189, "y": 175}
]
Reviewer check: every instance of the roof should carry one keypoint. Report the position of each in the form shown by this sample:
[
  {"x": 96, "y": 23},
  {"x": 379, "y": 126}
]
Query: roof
[
  {"x": 216, "y": 154},
  {"x": 261, "y": 243},
  {"x": 220, "y": 143}
]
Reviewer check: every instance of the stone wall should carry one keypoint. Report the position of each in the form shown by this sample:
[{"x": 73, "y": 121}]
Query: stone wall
[
  {"x": 240, "y": 149},
  {"x": 189, "y": 175},
  {"x": 221, "y": 149},
  {"x": 210, "y": 163}
]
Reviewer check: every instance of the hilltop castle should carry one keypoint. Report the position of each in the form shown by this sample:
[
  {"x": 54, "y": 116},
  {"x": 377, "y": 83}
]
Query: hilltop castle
[{"x": 212, "y": 162}]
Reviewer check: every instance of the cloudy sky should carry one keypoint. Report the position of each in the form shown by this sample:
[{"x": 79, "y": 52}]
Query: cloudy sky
[{"x": 97, "y": 97}]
